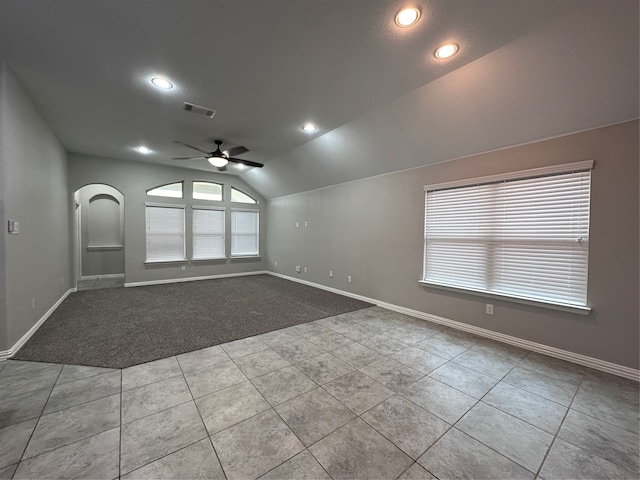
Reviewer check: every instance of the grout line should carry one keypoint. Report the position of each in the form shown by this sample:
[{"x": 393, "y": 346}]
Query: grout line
[
  {"x": 37, "y": 422},
  {"x": 193, "y": 399}
]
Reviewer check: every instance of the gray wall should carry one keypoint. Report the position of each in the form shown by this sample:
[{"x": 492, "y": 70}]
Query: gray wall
[
  {"x": 133, "y": 179},
  {"x": 35, "y": 193},
  {"x": 4, "y": 341},
  {"x": 102, "y": 231},
  {"x": 372, "y": 229}
]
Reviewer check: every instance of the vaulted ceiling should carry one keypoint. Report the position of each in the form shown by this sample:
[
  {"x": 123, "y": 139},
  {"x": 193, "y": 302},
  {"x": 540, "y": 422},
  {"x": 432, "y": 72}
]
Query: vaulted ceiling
[{"x": 525, "y": 70}]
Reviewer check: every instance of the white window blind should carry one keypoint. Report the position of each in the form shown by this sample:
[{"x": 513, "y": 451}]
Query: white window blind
[
  {"x": 165, "y": 233},
  {"x": 244, "y": 233},
  {"x": 526, "y": 238},
  {"x": 208, "y": 233}
]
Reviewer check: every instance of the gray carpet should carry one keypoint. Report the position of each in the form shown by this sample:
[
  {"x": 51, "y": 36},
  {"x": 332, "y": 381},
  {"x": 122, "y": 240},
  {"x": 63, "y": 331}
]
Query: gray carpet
[{"x": 120, "y": 327}]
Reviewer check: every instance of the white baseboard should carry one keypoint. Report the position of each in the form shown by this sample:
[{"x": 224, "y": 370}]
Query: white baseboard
[
  {"x": 98, "y": 277},
  {"x": 6, "y": 354},
  {"x": 193, "y": 279},
  {"x": 580, "y": 359}
]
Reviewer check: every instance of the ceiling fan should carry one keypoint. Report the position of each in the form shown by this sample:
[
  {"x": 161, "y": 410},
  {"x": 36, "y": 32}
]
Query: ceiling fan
[{"x": 218, "y": 158}]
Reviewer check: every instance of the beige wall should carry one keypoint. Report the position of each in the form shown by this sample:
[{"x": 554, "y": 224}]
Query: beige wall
[{"x": 372, "y": 229}]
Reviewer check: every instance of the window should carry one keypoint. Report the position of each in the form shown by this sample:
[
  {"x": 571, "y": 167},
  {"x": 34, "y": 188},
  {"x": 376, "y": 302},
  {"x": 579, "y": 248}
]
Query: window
[
  {"x": 240, "y": 197},
  {"x": 172, "y": 190},
  {"x": 244, "y": 233},
  {"x": 523, "y": 235},
  {"x": 208, "y": 233},
  {"x": 207, "y": 191},
  {"x": 165, "y": 233}
]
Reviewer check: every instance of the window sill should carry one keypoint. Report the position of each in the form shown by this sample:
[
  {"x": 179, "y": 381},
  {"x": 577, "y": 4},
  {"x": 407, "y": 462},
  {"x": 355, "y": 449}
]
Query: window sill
[
  {"x": 200, "y": 260},
  {"x": 536, "y": 303},
  {"x": 96, "y": 248},
  {"x": 245, "y": 257},
  {"x": 166, "y": 262}
]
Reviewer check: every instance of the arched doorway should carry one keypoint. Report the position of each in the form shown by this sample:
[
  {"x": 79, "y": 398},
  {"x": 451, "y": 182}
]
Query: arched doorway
[{"x": 99, "y": 224}]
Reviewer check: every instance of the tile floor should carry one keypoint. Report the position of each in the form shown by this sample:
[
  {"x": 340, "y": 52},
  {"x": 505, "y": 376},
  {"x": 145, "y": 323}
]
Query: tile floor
[{"x": 368, "y": 394}]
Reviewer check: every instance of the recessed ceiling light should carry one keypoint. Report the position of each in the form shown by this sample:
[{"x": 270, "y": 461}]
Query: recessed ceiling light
[
  {"x": 407, "y": 16},
  {"x": 309, "y": 127},
  {"x": 446, "y": 51},
  {"x": 142, "y": 149},
  {"x": 162, "y": 83}
]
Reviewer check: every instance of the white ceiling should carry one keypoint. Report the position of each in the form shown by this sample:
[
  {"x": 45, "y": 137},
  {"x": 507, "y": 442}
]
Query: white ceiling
[{"x": 527, "y": 69}]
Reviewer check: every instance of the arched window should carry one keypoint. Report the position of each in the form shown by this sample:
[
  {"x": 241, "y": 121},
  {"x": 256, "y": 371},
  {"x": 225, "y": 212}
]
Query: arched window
[
  {"x": 240, "y": 197},
  {"x": 207, "y": 191},
  {"x": 172, "y": 190}
]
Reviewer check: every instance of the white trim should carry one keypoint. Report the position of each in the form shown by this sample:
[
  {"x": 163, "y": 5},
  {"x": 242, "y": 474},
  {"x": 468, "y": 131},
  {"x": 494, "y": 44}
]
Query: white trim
[
  {"x": 193, "y": 279},
  {"x": 6, "y": 354},
  {"x": 165, "y": 262},
  {"x": 104, "y": 247},
  {"x": 580, "y": 359},
  {"x": 242, "y": 209},
  {"x": 520, "y": 174},
  {"x": 98, "y": 277},
  {"x": 165, "y": 205},
  {"x": 208, "y": 207}
]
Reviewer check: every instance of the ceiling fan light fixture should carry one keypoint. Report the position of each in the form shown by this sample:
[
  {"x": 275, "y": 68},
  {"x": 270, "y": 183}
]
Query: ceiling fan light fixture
[
  {"x": 162, "y": 83},
  {"x": 218, "y": 161},
  {"x": 309, "y": 127},
  {"x": 407, "y": 16},
  {"x": 142, "y": 149},
  {"x": 446, "y": 51}
]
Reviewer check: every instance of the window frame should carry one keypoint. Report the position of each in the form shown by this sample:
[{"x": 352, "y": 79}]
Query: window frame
[
  {"x": 255, "y": 200},
  {"x": 512, "y": 176},
  {"x": 224, "y": 232},
  {"x": 193, "y": 190},
  {"x": 252, "y": 210},
  {"x": 184, "y": 233},
  {"x": 181, "y": 197}
]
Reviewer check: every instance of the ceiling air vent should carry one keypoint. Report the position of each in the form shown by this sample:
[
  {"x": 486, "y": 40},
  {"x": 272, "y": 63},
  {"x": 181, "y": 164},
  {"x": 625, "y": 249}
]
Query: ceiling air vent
[{"x": 191, "y": 107}]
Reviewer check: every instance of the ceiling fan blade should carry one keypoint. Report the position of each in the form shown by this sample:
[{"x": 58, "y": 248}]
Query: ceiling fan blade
[
  {"x": 191, "y": 146},
  {"x": 189, "y": 158},
  {"x": 232, "y": 152},
  {"x": 248, "y": 163}
]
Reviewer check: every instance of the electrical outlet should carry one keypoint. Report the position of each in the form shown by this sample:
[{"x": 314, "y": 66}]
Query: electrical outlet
[
  {"x": 306, "y": 224},
  {"x": 275, "y": 264},
  {"x": 33, "y": 304},
  {"x": 183, "y": 268},
  {"x": 349, "y": 278},
  {"x": 330, "y": 273},
  {"x": 297, "y": 224},
  {"x": 305, "y": 269},
  {"x": 298, "y": 268},
  {"x": 489, "y": 309}
]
